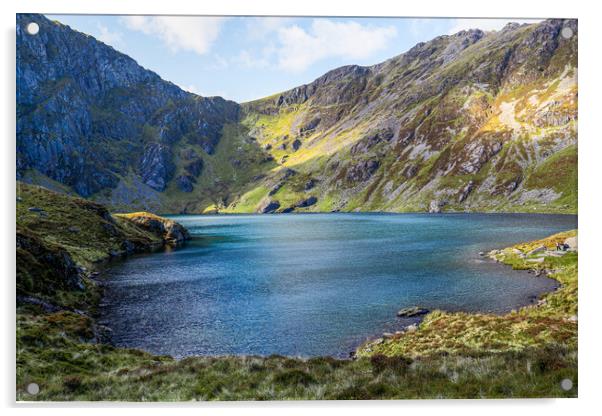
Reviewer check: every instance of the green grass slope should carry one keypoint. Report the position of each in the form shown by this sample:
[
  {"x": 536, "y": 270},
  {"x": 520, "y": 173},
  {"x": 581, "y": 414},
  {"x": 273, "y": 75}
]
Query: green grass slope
[{"x": 524, "y": 354}]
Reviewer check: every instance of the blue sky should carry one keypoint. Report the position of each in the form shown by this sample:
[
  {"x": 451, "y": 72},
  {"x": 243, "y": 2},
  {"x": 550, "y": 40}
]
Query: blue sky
[{"x": 245, "y": 58}]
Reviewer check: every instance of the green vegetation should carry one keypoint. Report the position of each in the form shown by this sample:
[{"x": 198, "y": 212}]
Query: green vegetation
[
  {"x": 524, "y": 354},
  {"x": 549, "y": 326}
]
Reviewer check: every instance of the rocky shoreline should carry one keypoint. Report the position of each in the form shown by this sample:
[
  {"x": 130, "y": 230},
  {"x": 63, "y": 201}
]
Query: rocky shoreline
[{"x": 531, "y": 258}]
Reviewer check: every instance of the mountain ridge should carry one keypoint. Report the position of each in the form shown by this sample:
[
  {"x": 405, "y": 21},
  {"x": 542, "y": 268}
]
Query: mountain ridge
[{"x": 477, "y": 121}]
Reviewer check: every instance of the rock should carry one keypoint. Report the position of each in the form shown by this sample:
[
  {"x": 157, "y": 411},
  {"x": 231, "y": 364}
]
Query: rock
[
  {"x": 90, "y": 117},
  {"x": 282, "y": 146},
  {"x": 539, "y": 249},
  {"x": 275, "y": 188},
  {"x": 171, "y": 231},
  {"x": 572, "y": 243},
  {"x": 362, "y": 171},
  {"x": 412, "y": 328},
  {"x": 268, "y": 206},
  {"x": 435, "y": 206},
  {"x": 372, "y": 139},
  {"x": 74, "y": 229},
  {"x": 309, "y": 185},
  {"x": 307, "y": 202},
  {"x": 466, "y": 191},
  {"x": 267, "y": 147},
  {"x": 296, "y": 145},
  {"x": 194, "y": 168},
  {"x": 185, "y": 183},
  {"x": 35, "y": 209},
  {"x": 156, "y": 167},
  {"x": 411, "y": 312},
  {"x": 482, "y": 253},
  {"x": 310, "y": 126},
  {"x": 387, "y": 335},
  {"x": 287, "y": 210}
]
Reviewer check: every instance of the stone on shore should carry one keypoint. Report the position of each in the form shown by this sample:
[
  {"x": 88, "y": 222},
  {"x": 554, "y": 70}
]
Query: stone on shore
[{"x": 412, "y": 311}]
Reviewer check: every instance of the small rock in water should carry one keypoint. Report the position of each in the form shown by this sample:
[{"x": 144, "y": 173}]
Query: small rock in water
[
  {"x": 411, "y": 312},
  {"x": 387, "y": 335}
]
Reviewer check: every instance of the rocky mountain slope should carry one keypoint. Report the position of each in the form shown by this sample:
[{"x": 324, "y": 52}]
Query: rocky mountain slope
[
  {"x": 61, "y": 239},
  {"x": 472, "y": 121},
  {"x": 483, "y": 121}
]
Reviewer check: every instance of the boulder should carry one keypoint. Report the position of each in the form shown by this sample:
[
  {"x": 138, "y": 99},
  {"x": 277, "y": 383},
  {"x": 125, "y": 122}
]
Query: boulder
[
  {"x": 571, "y": 242},
  {"x": 309, "y": 184},
  {"x": 268, "y": 206},
  {"x": 435, "y": 206},
  {"x": 537, "y": 250},
  {"x": 307, "y": 202},
  {"x": 296, "y": 145},
  {"x": 412, "y": 312}
]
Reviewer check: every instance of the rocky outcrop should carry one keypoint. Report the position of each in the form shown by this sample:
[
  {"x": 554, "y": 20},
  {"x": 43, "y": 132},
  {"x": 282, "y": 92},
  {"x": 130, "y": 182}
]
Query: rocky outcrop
[
  {"x": 156, "y": 167},
  {"x": 412, "y": 312},
  {"x": 268, "y": 206},
  {"x": 362, "y": 171},
  {"x": 88, "y": 114},
  {"x": 170, "y": 231}
]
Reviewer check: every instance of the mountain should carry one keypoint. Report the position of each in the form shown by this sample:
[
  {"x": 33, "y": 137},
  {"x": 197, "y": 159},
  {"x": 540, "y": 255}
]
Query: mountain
[{"x": 482, "y": 121}]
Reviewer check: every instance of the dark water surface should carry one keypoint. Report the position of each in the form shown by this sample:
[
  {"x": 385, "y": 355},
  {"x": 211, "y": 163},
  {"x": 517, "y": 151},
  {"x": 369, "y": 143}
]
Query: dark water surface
[{"x": 314, "y": 284}]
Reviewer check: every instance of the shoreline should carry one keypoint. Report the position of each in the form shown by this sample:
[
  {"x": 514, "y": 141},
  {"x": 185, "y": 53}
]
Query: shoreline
[{"x": 508, "y": 256}]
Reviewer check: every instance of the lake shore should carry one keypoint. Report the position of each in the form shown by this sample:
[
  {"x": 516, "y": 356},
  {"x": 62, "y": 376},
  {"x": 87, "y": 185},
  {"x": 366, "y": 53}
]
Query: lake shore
[
  {"x": 552, "y": 320},
  {"x": 61, "y": 351}
]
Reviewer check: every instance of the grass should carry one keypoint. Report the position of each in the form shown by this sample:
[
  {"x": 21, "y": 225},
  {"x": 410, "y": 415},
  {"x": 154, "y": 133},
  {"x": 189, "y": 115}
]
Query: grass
[
  {"x": 68, "y": 369},
  {"x": 551, "y": 324},
  {"x": 526, "y": 353}
]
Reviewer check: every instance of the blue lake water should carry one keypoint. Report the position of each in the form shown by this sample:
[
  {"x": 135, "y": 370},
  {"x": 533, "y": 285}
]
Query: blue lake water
[{"x": 314, "y": 284}]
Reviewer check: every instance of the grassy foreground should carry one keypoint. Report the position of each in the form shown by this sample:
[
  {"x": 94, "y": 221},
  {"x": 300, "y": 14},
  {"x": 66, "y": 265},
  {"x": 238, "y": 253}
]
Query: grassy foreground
[{"x": 61, "y": 348}]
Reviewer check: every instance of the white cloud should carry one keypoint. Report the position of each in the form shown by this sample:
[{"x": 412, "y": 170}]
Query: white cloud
[
  {"x": 298, "y": 48},
  {"x": 196, "y": 34},
  {"x": 107, "y": 36},
  {"x": 259, "y": 28},
  {"x": 484, "y": 24}
]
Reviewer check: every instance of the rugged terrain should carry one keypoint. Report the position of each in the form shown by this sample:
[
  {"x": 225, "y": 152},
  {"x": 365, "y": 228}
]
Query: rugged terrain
[
  {"x": 62, "y": 241},
  {"x": 61, "y": 347},
  {"x": 481, "y": 121}
]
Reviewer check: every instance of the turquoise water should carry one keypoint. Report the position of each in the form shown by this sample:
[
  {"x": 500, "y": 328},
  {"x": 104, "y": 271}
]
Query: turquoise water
[{"x": 314, "y": 284}]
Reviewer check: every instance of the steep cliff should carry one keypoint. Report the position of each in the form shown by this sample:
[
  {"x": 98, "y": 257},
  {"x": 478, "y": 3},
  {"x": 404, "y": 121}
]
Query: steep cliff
[
  {"x": 483, "y": 121},
  {"x": 472, "y": 121}
]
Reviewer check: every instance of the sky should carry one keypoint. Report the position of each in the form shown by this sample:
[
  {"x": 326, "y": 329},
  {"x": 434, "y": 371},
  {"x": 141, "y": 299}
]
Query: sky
[{"x": 245, "y": 58}]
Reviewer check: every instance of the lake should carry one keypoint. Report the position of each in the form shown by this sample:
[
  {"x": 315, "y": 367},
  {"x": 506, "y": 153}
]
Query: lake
[{"x": 314, "y": 284}]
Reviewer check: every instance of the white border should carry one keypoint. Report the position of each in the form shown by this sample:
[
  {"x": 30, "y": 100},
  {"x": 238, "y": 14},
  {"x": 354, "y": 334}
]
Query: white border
[{"x": 590, "y": 167}]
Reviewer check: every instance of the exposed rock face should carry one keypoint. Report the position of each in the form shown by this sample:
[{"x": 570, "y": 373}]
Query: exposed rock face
[
  {"x": 87, "y": 113},
  {"x": 435, "y": 206},
  {"x": 307, "y": 202},
  {"x": 54, "y": 267},
  {"x": 156, "y": 166},
  {"x": 53, "y": 249},
  {"x": 466, "y": 118},
  {"x": 412, "y": 312},
  {"x": 362, "y": 171},
  {"x": 478, "y": 119},
  {"x": 268, "y": 206},
  {"x": 185, "y": 183},
  {"x": 171, "y": 231}
]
